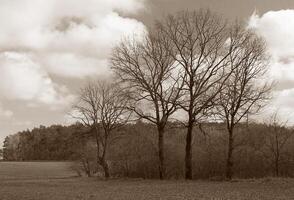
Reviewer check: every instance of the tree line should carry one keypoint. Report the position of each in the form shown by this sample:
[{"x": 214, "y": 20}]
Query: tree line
[
  {"x": 56, "y": 142},
  {"x": 189, "y": 69},
  {"x": 260, "y": 150}
]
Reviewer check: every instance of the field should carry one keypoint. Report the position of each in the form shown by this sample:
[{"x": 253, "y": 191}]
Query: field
[{"x": 55, "y": 181}]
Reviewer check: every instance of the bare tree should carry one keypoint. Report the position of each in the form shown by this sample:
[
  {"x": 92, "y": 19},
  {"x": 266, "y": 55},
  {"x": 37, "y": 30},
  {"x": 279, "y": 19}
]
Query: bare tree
[
  {"x": 276, "y": 139},
  {"x": 103, "y": 108},
  {"x": 198, "y": 41},
  {"x": 243, "y": 93},
  {"x": 153, "y": 81}
]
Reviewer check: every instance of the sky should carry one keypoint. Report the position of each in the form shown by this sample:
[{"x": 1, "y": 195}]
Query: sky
[{"x": 49, "y": 49}]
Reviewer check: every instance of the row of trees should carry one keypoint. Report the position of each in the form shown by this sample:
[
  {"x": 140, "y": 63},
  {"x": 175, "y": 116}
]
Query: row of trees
[
  {"x": 260, "y": 149},
  {"x": 45, "y": 143},
  {"x": 190, "y": 67}
]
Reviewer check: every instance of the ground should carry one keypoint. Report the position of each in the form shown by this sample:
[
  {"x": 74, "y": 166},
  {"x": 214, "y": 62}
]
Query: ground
[{"x": 56, "y": 181}]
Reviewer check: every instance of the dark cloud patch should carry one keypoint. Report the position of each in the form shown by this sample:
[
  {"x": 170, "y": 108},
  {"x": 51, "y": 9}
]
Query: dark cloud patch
[{"x": 240, "y": 9}]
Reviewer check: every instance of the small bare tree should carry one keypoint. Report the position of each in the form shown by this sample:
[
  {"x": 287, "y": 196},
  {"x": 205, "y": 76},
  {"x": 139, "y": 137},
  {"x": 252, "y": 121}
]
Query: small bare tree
[
  {"x": 276, "y": 138},
  {"x": 153, "y": 81},
  {"x": 198, "y": 41},
  {"x": 103, "y": 108},
  {"x": 243, "y": 92}
]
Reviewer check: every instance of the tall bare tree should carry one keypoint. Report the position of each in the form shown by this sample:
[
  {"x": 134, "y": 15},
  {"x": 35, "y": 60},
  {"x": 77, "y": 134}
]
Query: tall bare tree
[
  {"x": 103, "y": 108},
  {"x": 148, "y": 71},
  {"x": 243, "y": 93},
  {"x": 198, "y": 41}
]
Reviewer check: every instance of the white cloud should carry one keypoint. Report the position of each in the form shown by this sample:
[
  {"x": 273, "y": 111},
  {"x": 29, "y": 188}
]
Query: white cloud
[
  {"x": 41, "y": 39},
  {"x": 282, "y": 103},
  {"x": 277, "y": 28},
  {"x": 75, "y": 66},
  {"x": 23, "y": 79},
  {"x": 79, "y": 33}
]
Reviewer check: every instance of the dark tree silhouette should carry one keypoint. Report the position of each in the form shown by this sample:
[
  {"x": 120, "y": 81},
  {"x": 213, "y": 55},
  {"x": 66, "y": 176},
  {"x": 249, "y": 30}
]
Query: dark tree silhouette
[
  {"x": 198, "y": 40},
  {"x": 148, "y": 72},
  {"x": 103, "y": 108},
  {"x": 244, "y": 93}
]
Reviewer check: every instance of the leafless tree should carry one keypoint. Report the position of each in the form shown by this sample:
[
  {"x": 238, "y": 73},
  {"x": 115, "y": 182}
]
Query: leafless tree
[
  {"x": 276, "y": 139},
  {"x": 198, "y": 41},
  {"x": 243, "y": 93},
  {"x": 153, "y": 81},
  {"x": 103, "y": 108}
]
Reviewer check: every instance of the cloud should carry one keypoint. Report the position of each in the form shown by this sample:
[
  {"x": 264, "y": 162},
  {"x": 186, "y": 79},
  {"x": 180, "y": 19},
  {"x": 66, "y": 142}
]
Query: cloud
[
  {"x": 23, "y": 79},
  {"x": 45, "y": 45},
  {"x": 75, "y": 66},
  {"x": 69, "y": 38},
  {"x": 277, "y": 28},
  {"x": 45, "y": 41},
  {"x": 282, "y": 103},
  {"x": 4, "y": 113}
]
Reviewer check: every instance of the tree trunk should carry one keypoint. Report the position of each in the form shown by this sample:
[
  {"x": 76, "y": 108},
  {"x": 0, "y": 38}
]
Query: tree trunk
[
  {"x": 188, "y": 157},
  {"x": 229, "y": 166},
  {"x": 87, "y": 168},
  {"x": 161, "y": 153},
  {"x": 277, "y": 171},
  {"x": 106, "y": 169},
  {"x": 277, "y": 156}
]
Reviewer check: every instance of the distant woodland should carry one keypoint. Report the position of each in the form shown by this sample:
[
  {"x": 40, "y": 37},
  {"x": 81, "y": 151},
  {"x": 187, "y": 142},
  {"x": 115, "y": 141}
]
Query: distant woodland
[{"x": 260, "y": 150}]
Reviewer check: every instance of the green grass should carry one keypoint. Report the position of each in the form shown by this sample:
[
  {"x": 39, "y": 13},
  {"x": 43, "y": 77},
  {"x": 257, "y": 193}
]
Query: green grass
[{"x": 55, "y": 181}]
